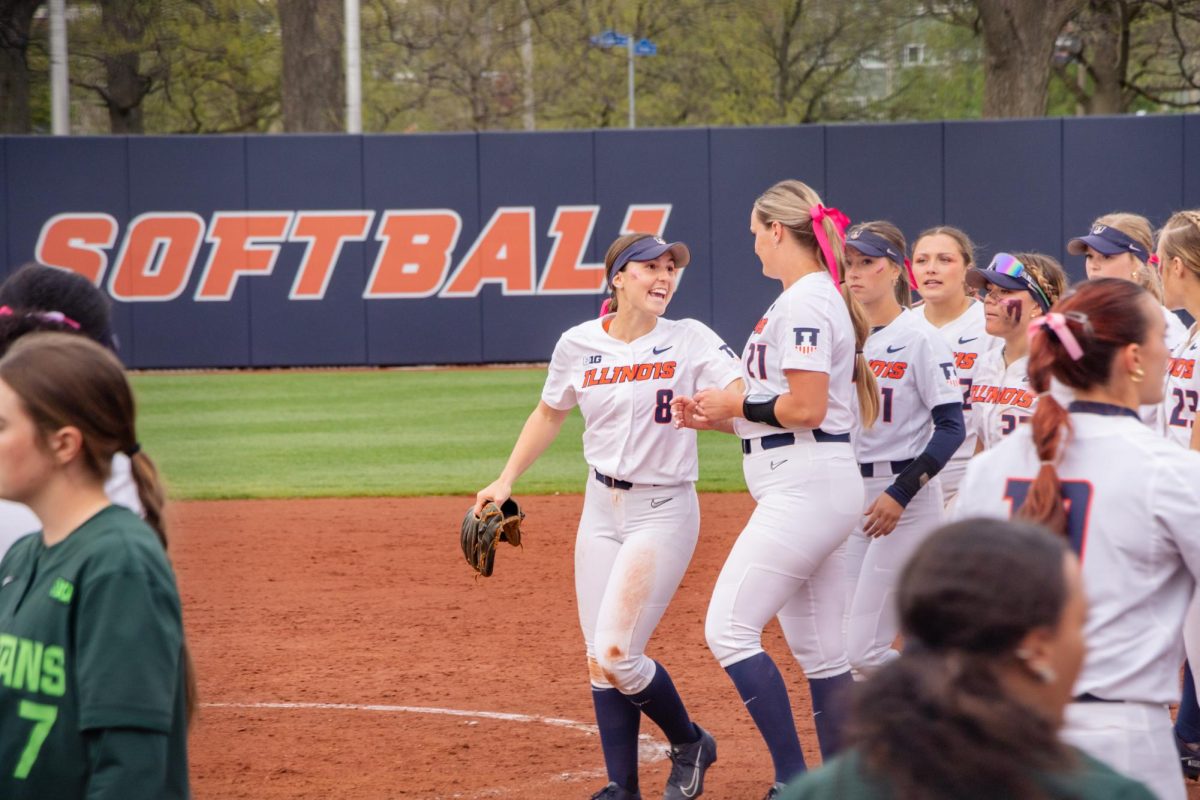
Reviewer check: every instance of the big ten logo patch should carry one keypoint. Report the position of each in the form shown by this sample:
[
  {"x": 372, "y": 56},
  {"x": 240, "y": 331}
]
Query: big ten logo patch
[
  {"x": 965, "y": 360},
  {"x": 589, "y": 360},
  {"x": 157, "y": 256},
  {"x": 893, "y": 370},
  {"x": 806, "y": 340},
  {"x": 62, "y": 591},
  {"x": 660, "y": 370}
]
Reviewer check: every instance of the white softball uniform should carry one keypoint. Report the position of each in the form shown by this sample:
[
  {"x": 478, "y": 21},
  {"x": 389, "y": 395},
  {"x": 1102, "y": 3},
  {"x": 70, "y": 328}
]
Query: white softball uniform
[
  {"x": 915, "y": 372},
  {"x": 1132, "y": 520},
  {"x": 1182, "y": 396},
  {"x": 16, "y": 520},
  {"x": 968, "y": 340},
  {"x": 640, "y": 516},
  {"x": 788, "y": 560},
  {"x": 1001, "y": 397}
]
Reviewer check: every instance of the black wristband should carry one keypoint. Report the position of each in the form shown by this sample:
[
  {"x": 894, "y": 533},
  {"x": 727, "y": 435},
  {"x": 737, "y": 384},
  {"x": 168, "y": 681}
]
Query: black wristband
[
  {"x": 906, "y": 485},
  {"x": 761, "y": 408}
]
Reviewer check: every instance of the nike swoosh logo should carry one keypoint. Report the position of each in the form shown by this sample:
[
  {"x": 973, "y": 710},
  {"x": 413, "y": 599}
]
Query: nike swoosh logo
[
  {"x": 658, "y": 351},
  {"x": 662, "y": 501},
  {"x": 8, "y": 579},
  {"x": 896, "y": 349},
  {"x": 694, "y": 784},
  {"x": 776, "y": 464},
  {"x": 964, "y": 341}
]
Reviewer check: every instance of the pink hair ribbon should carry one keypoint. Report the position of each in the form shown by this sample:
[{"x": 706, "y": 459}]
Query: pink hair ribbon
[
  {"x": 604, "y": 306},
  {"x": 1057, "y": 323},
  {"x": 44, "y": 316},
  {"x": 912, "y": 279},
  {"x": 841, "y": 222}
]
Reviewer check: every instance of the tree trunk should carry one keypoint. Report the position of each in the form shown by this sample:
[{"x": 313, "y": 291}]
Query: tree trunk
[
  {"x": 1107, "y": 42},
  {"x": 125, "y": 23},
  {"x": 1018, "y": 44},
  {"x": 314, "y": 89},
  {"x": 16, "y": 19}
]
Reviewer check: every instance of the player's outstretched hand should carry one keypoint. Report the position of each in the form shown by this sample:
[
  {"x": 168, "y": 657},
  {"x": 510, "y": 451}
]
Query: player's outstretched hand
[
  {"x": 718, "y": 405},
  {"x": 882, "y": 516},
  {"x": 497, "y": 492},
  {"x": 685, "y": 414}
]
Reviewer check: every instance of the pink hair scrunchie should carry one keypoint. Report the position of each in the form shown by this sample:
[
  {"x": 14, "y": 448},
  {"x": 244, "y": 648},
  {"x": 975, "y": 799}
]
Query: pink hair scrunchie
[
  {"x": 841, "y": 222},
  {"x": 1057, "y": 323}
]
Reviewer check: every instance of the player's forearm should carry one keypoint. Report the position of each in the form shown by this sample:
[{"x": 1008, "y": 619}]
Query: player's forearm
[
  {"x": 539, "y": 432},
  {"x": 796, "y": 411}
]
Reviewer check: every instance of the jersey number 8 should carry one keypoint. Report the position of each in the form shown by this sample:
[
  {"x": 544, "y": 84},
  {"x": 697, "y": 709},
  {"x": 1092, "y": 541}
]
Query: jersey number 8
[{"x": 662, "y": 406}]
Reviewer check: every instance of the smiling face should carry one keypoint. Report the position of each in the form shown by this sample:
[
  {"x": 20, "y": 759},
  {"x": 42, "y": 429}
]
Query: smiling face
[
  {"x": 939, "y": 267},
  {"x": 871, "y": 278},
  {"x": 647, "y": 286},
  {"x": 1121, "y": 265}
]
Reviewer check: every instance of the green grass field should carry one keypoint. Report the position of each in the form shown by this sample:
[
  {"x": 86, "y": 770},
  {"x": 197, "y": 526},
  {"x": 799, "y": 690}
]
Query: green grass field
[{"x": 363, "y": 433}]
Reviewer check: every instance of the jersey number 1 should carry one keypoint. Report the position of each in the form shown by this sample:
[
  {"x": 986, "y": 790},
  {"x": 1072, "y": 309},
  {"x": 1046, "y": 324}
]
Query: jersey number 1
[{"x": 1078, "y": 499}]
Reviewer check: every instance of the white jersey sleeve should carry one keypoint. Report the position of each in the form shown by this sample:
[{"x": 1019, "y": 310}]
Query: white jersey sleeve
[
  {"x": 1132, "y": 521},
  {"x": 1182, "y": 396},
  {"x": 807, "y": 328},
  {"x": 624, "y": 392},
  {"x": 914, "y": 370}
]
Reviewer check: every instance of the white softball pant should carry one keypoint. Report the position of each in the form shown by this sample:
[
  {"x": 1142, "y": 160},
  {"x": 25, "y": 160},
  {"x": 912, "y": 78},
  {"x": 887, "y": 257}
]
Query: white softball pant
[
  {"x": 631, "y": 551},
  {"x": 1135, "y": 739},
  {"x": 788, "y": 560},
  {"x": 873, "y": 569}
]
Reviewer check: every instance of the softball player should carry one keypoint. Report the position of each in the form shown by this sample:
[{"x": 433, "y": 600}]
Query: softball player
[
  {"x": 1126, "y": 500},
  {"x": 40, "y": 298},
  {"x": 1016, "y": 290},
  {"x": 940, "y": 260},
  {"x": 801, "y": 366},
  {"x": 1179, "y": 259},
  {"x": 1121, "y": 245},
  {"x": 920, "y": 427},
  {"x": 95, "y": 682},
  {"x": 640, "y": 514}
]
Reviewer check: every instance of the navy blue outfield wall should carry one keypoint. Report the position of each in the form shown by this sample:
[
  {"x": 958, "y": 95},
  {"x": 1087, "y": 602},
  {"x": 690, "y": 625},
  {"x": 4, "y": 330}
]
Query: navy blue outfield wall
[{"x": 468, "y": 248}]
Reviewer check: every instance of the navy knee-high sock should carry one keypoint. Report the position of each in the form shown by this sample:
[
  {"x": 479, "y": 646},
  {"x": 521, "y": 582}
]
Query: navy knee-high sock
[
  {"x": 618, "y": 720},
  {"x": 661, "y": 702},
  {"x": 1187, "y": 723},
  {"x": 762, "y": 689},
  {"x": 830, "y": 697}
]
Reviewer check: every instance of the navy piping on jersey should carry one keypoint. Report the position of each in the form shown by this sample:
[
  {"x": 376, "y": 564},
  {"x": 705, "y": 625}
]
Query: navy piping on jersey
[{"x": 1103, "y": 409}]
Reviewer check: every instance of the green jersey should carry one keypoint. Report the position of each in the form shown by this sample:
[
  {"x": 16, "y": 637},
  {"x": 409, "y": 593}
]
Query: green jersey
[
  {"x": 92, "y": 697},
  {"x": 844, "y": 778}
]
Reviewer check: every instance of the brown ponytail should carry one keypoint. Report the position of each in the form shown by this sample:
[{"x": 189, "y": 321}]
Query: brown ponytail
[
  {"x": 1104, "y": 315},
  {"x": 65, "y": 379},
  {"x": 789, "y": 203}
]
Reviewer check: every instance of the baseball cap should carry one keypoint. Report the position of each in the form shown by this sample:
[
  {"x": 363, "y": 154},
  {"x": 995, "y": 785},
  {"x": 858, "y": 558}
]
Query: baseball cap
[
  {"x": 1107, "y": 240},
  {"x": 1007, "y": 272},
  {"x": 649, "y": 249},
  {"x": 873, "y": 245}
]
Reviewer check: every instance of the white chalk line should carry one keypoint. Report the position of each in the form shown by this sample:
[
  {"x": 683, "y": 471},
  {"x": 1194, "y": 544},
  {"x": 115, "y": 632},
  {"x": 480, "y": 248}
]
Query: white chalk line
[{"x": 649, "y": 750}]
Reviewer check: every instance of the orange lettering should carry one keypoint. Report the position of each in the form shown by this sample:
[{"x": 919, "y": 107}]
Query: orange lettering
[
  {"x": 156, "y": 257},
  {"x": 415, "y": 255},
  {"x": 325, "y": 232},
  {"x": 565, "y": 273},
  {"x": 244, "y": 243},
  {"x": 502, "y": 254},
  {"x": 646, "y": 219},
  {"x": 77, "y": 242}
]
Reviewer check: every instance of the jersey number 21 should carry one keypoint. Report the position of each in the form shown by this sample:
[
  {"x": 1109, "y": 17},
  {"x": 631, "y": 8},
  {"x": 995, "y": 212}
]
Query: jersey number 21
[{"x": 1078, "y": 497}]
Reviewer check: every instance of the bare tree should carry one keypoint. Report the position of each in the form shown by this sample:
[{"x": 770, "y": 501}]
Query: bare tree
[
  {"x": 16, "y": 22},
  {"x": 314, "y": 90}
]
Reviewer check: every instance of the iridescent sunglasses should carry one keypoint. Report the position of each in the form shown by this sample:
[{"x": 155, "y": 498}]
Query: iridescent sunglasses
[{"x": 1010, "y": 265}]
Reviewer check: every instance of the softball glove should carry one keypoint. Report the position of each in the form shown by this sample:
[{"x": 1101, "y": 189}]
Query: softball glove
[{"x": 481, "y": 534}]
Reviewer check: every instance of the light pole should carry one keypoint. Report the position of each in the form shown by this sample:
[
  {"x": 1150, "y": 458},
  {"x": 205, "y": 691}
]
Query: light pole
[{"x": 609, "y": 39}]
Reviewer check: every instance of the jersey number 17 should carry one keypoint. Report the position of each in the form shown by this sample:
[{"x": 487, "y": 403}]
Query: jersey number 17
[{"x": 1077, "y": 497}]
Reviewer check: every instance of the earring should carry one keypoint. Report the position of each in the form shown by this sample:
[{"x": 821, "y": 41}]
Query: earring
[
  {"x": 1137, "y": 375},
  {"x": 1043, "y": 672},
  {"x": 776, "y": 244}
]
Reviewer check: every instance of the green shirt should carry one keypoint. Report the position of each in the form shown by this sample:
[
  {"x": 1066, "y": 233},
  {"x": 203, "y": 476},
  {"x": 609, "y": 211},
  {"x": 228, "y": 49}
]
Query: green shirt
[
  {"x": 92, "y": 698},
  {"x": 843, "y": 778}
]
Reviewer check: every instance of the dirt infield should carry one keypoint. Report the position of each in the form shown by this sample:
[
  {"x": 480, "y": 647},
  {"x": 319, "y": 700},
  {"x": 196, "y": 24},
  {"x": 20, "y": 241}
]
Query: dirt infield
[{"x": 344, "y": 651}]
